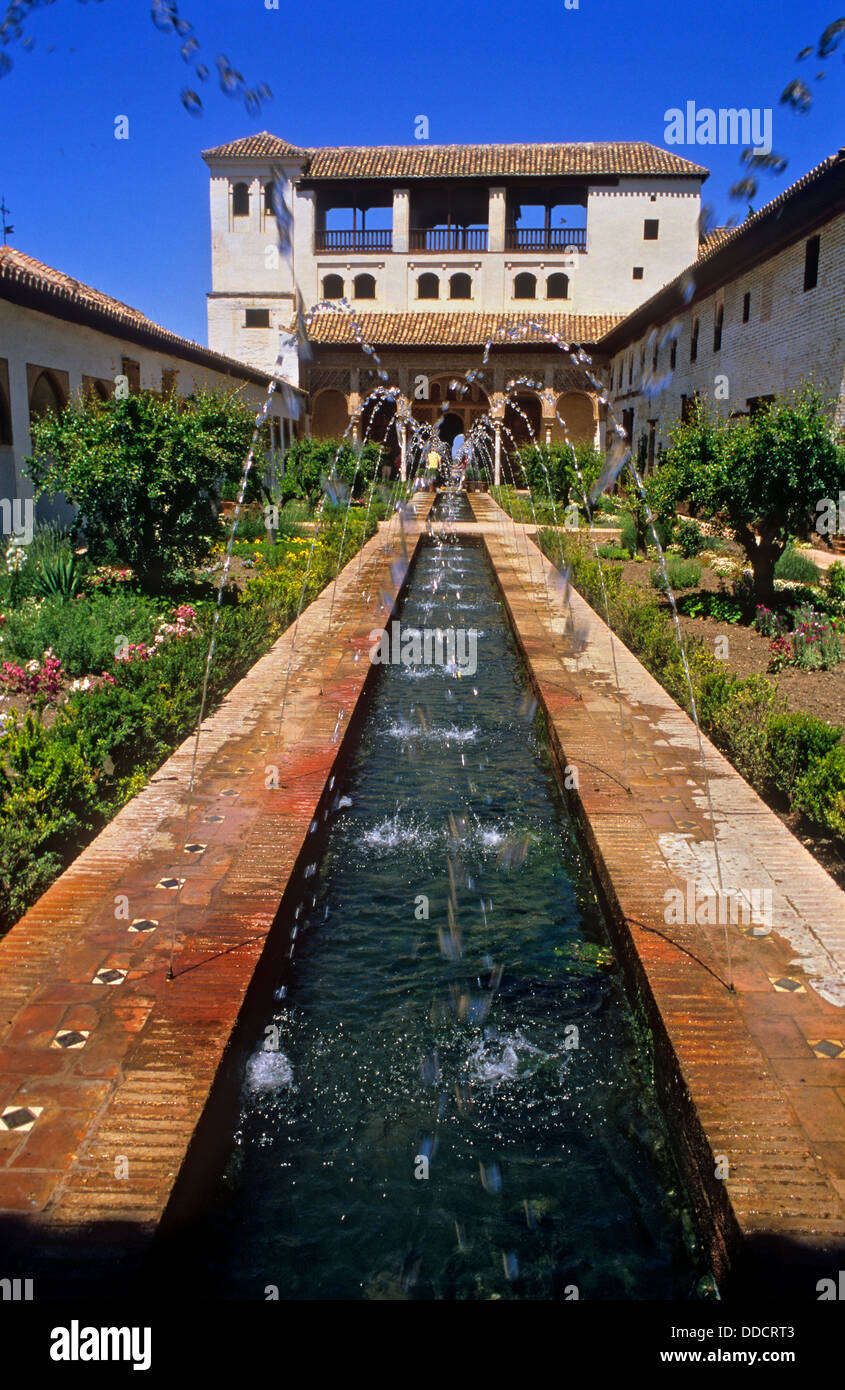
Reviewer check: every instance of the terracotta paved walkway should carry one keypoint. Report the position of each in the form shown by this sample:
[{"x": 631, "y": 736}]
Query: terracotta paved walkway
[
  {"x": 764, "y": 1066},
  {"x": 105, "y": 1065}
]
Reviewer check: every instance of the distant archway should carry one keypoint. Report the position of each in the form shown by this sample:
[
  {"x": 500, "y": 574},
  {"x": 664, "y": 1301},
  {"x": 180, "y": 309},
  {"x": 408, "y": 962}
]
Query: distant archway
[
  {"x": 329, "y": 415},
  {"x": 5, "y": 419},
  {"x": 450, "y": 427},
  {"x": 531, "y": 411},
  {"x": 577, "y": 409}
]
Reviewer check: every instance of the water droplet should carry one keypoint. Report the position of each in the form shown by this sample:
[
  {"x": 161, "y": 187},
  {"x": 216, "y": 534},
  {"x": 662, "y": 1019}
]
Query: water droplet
[
  {"x": 164, "y": 14},
  {"x": 189, "y": 48},
  {"x": 191, "y": 102}
]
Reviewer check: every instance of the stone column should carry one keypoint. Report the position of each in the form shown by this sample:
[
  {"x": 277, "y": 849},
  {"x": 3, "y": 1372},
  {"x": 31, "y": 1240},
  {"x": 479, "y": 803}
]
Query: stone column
[
  {"x": 548, "y": 403},
  {"x": 353, "y": 404},
  {"x": 401, "y": 219},
  {"x": 497, "y": 415},
  {"x": 496, "y": 205}
]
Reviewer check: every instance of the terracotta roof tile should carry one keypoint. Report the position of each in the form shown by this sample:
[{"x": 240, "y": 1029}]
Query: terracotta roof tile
[
  {"x": 713, "y": 239},
  {"x": 632, "y": 157},
  {"x": 427, "y": 329},
  {"x": 24, "y": 279},
  {"x": 262, "y": 146}
]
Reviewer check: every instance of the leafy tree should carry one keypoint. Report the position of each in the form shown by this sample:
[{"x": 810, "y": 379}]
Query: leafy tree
[
  {"x": 308, "y": 461},
  {"x": 762, "y": 475},
  {"x": 548, "y": 467},
  {"x": 145, "y": 474}
]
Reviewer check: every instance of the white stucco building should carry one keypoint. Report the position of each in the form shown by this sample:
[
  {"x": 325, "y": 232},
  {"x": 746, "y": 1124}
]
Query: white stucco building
[
  {"x": 761, "y": 312},
  {"x": 435, "y": 246},
  {"x": 59, "y": 337}
]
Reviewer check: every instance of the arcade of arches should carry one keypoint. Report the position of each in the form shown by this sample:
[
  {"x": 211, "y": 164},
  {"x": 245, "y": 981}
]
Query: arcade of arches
[{"x": 529, "y": 414}]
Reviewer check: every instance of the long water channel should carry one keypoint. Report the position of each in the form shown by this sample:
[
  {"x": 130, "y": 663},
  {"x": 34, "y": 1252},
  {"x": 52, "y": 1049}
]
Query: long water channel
[{"x": 452, "y": 1099}]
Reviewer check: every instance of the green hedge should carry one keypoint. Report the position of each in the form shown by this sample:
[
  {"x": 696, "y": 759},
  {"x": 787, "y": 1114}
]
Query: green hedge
[
  {"x": 60, "y": 785},
  {"x": 793, "y": 756},
  {"x": 308, "y": 461}
]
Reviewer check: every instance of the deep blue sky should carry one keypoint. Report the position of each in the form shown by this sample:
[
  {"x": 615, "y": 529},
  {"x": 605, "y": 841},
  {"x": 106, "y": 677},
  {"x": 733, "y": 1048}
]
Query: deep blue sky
[{"x": 131, "y": 217}]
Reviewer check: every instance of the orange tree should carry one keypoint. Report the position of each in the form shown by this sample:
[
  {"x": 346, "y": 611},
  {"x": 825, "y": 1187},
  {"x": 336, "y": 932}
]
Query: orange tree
[
  {"x": 145, "y": 474},
  {"x": 762, "y": 475}
]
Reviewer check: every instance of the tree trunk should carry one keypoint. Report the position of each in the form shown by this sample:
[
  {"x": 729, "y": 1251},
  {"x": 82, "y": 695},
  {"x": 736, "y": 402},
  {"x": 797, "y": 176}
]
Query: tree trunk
[{"x": 763, "y": 559}]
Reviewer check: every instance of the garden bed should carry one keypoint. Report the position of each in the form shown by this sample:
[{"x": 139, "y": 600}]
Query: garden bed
[
  {"x": 815, "y": 692},
  {"x": 776, "y": 727}
]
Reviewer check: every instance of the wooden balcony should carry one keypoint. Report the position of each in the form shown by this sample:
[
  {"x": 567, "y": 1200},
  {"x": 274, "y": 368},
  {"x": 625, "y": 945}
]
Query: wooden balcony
[
  {"x": 448, "y": 239},
  {"x": 543, "y": 239},
  {"x": 353, "y": 241}
]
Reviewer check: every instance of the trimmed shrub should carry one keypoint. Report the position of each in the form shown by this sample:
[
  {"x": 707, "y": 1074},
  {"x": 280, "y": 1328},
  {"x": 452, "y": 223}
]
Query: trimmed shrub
[
  {"x": 741, "y": 726},
  {"x": 796, "y": 742},
  {"x": 796, "y": 755},
  {"x": 820, "y": 793},
  {"x": 145, "y": 473}
]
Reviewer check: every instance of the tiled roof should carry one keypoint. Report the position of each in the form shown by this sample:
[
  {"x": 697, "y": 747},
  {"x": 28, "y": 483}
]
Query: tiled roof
[
  {"x": 422, "y": 161},
  {"x": 27, "y": 281},
  {"x": 712, "y": 239},
  {"x": 262, "y": 146},
  {"x": 427, "y": 329},
  {"x": 718, "y": 259}
]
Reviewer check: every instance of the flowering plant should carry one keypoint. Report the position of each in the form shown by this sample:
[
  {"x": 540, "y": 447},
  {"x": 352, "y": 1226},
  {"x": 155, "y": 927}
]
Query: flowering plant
[{"x": 35, "y": 678}]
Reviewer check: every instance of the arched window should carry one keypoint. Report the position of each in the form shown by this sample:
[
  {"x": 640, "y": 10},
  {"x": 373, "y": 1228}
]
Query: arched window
[
  {"x": 268, "y": 199},
  {"x": 557, "y": 286},
  {"x": 525, "y": 286},
  {"x": 45, "y": 395},
  {"x": 460, "y": 286},
  {"x": 332, "y": 286},
  {"x": 364, "y": 287},
  {"x": 428, "y": 286},
  {"x": 240, "y": 200}
]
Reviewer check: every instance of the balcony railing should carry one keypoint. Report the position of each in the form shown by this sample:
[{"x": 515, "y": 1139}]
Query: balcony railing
[
  {"x": 353, "y": 241},
  {"x": 448, "y": 239},
  {"x": 539, "y": 239}
]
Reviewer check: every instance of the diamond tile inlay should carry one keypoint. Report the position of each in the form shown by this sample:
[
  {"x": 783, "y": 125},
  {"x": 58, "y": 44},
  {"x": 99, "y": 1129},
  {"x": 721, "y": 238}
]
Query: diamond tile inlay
[
  {"x": 828, "y": 1047},
  {"x": 71, "y": 1038},
  {"x": 20, "y": 1118},
  {"x": 109, "y": 977}
]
